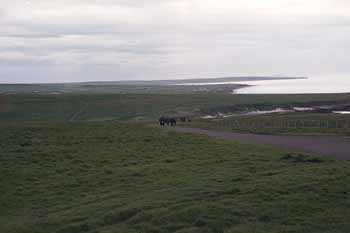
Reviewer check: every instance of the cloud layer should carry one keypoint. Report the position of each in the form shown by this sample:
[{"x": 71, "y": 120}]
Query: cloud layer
[{"x": 60, "y": 41}]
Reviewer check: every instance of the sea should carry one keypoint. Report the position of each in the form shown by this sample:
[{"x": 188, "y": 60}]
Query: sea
[{"x": 312, "y": 85}]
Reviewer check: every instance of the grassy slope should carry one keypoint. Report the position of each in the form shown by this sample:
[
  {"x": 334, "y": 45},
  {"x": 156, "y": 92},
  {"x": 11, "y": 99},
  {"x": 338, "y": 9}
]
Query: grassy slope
[
  {"x": 127, "y": 106},
  {"x": 111, "y": 177}
]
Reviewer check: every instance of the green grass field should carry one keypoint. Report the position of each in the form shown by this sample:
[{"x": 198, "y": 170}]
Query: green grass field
[
  {"x": 82, "y": 163},
  {"x": 110, "y": 177},
  {"x": 145, "y": 106}
]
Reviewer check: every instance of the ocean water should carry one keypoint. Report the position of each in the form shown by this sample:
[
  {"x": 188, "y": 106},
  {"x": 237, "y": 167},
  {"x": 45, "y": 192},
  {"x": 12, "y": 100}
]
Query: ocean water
[
  {"x": 298, "y": 86},
  {"x": 334, "y": 84}
]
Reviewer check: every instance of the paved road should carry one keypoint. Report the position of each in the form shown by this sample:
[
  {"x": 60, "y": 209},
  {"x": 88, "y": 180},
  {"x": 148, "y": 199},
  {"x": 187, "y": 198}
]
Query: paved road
[{"x": 336, "y": 147}]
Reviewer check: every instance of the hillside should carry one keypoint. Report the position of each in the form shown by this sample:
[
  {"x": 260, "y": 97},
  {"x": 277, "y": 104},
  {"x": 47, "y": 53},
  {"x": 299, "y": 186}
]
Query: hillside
[{"x": 111, "y": 177}]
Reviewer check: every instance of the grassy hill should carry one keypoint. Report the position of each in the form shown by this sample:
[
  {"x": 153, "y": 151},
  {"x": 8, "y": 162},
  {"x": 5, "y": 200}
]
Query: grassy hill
[{"x": 110, "y": 177}]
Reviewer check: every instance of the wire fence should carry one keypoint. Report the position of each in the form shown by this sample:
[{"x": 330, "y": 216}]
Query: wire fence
[{"x": 285, "y": 124}]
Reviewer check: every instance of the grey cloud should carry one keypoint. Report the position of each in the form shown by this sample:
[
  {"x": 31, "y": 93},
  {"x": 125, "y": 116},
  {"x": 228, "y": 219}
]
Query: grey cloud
[{"x": 120, "y": 39}]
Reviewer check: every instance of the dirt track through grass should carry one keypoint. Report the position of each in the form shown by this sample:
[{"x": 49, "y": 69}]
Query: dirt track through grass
[{"x": 331, "y": 146}]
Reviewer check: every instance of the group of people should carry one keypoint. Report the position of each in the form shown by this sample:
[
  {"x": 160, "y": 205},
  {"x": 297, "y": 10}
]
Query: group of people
[
  {"x": 171, "y": 121},
  {"x": 167, "y": 121}
]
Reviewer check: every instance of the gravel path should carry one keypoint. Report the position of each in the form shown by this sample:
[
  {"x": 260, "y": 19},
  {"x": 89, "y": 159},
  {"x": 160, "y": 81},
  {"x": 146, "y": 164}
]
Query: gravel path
[{"x": 332, "y": 146}]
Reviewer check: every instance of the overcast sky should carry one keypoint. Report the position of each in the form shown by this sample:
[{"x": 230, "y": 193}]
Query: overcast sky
[{"x": 81, "y": 40}]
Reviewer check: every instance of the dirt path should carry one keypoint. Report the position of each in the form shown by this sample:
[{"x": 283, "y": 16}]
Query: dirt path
[{"x": 336, "y": 147}]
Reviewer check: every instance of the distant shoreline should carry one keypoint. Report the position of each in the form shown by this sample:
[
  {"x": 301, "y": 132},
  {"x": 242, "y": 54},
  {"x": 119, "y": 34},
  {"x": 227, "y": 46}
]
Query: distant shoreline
[
  {"x": 218, "y": 81},
  {"x": 189, "y": 86},
  {"x": 167, "y": 82}
]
